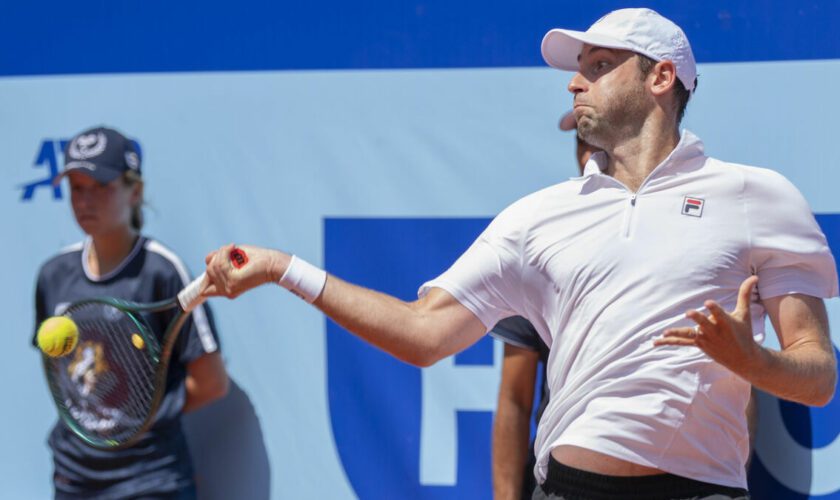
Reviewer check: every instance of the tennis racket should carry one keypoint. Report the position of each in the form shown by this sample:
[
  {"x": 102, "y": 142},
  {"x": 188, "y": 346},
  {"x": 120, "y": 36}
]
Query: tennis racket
[{"x": 109, "y": 388}]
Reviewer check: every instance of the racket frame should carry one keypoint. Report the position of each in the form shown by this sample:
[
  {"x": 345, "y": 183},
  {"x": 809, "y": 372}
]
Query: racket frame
[{"x": 185, "y": 302}]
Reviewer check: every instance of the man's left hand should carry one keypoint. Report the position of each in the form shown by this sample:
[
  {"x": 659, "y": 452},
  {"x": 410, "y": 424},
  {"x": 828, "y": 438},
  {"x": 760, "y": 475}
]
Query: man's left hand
[{"x": 725, "y": 336}]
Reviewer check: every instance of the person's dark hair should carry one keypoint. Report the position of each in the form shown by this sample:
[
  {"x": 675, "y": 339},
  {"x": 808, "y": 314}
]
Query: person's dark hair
[
  {"x": 131, "y": 178},
  {"x": 681, "y": 94}
]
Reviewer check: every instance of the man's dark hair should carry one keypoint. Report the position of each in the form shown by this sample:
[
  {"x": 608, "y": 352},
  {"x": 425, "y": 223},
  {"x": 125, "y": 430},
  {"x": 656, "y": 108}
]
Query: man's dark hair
[{"x": 681, "y": 94}]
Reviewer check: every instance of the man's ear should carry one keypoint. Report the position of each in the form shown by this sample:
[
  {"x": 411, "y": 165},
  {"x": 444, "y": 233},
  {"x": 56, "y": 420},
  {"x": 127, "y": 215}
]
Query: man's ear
[{"x": 663, "y": 77}]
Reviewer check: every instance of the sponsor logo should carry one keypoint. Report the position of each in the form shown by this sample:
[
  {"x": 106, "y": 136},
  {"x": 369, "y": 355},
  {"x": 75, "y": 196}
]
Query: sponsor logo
[
  {"x": 87, "y": 146},
  {"x": 692, "y": 206},
  {"x": 238, "y": 257},
  {"x": 47, "y": 158},
  {"x": 132, "y": 160},
  {"x": 87, "y": 366}
]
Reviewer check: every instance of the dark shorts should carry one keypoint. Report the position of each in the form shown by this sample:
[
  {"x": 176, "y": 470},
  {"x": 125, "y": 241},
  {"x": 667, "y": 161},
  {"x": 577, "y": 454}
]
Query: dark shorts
[{"x": 568, "y": 483}]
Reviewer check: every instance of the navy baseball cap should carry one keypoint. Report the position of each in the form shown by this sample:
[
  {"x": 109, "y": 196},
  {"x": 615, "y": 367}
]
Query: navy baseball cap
[{"x": 101, "y": 153}]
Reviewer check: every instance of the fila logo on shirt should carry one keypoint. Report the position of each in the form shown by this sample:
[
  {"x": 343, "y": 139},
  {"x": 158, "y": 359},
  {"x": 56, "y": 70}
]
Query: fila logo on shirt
[{"x": 692, "y": 206}]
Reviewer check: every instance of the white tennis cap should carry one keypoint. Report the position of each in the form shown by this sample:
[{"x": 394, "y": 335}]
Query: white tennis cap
[{"x": 640, "y": 30}]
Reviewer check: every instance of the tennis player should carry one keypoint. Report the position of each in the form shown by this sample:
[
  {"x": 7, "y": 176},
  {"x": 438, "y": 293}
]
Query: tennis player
[
  {"x": 647, "y": 277},
  {"x": 115, "y": 260}
]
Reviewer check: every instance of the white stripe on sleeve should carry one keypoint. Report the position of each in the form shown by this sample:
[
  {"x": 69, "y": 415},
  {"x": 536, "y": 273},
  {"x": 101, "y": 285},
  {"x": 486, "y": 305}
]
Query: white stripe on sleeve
[{"x": 208, "y": 342}]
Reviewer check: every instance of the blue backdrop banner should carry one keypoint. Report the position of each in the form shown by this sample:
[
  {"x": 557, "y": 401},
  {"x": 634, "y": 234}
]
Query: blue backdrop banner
[{"x": 375, "y": 139}]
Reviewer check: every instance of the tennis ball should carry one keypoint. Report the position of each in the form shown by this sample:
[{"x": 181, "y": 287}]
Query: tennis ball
[
  {"x": 57, "y": 336},
  {"x": 137, "y": 340}
]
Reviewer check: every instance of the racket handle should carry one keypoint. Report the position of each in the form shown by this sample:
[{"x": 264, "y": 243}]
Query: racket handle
[
  {"x": 190, "y": 297},
  {"x": 238, "y": 258}
]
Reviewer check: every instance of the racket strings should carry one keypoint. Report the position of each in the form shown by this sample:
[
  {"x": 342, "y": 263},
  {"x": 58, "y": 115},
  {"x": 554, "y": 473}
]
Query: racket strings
[
  {"x": 137, "y": 398},
  {"x": 107, "y": 384}
]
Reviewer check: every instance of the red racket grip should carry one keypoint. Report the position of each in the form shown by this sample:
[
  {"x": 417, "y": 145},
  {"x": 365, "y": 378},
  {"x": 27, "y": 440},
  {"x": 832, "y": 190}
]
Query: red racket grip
[{"x": 238, "y": 257}]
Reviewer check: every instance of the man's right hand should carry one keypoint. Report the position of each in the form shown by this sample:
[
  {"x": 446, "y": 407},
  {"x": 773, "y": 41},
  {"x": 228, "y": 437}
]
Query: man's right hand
[{"x": 224, "y": 279}]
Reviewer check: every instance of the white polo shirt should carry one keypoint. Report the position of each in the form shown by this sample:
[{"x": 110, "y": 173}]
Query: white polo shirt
[{"x": 601, "y": 272}]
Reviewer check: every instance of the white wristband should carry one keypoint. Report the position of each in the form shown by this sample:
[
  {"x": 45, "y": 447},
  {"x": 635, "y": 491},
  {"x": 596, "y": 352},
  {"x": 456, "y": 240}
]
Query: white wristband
[{"x": 303, "y": 279}]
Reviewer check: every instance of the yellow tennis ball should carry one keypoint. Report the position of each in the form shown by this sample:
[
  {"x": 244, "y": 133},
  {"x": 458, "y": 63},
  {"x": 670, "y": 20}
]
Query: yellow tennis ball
[
  {"x": 137, "y": 340},
  {"x": 57, "y": 336}
]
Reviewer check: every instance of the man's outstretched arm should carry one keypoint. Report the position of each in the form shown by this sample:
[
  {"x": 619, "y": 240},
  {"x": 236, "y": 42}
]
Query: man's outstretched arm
[{"x": 419, "y": 332}]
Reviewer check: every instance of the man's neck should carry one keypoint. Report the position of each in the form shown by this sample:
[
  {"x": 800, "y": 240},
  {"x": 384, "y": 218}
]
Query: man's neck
[
  {"x": 107, "y": 251},
  {"x": 631, "y": 160}
]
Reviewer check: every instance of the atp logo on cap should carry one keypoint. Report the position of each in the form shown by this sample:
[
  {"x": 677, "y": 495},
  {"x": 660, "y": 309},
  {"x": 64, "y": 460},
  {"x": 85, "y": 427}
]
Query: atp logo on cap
[{"x": 692, "y": 206}]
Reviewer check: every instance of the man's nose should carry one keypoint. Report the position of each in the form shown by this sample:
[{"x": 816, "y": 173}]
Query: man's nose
[{"x": 577, "y": 84}]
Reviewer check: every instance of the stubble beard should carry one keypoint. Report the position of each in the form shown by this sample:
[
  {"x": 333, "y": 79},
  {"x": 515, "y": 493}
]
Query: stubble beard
[{"x": 618, "y": 118}]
